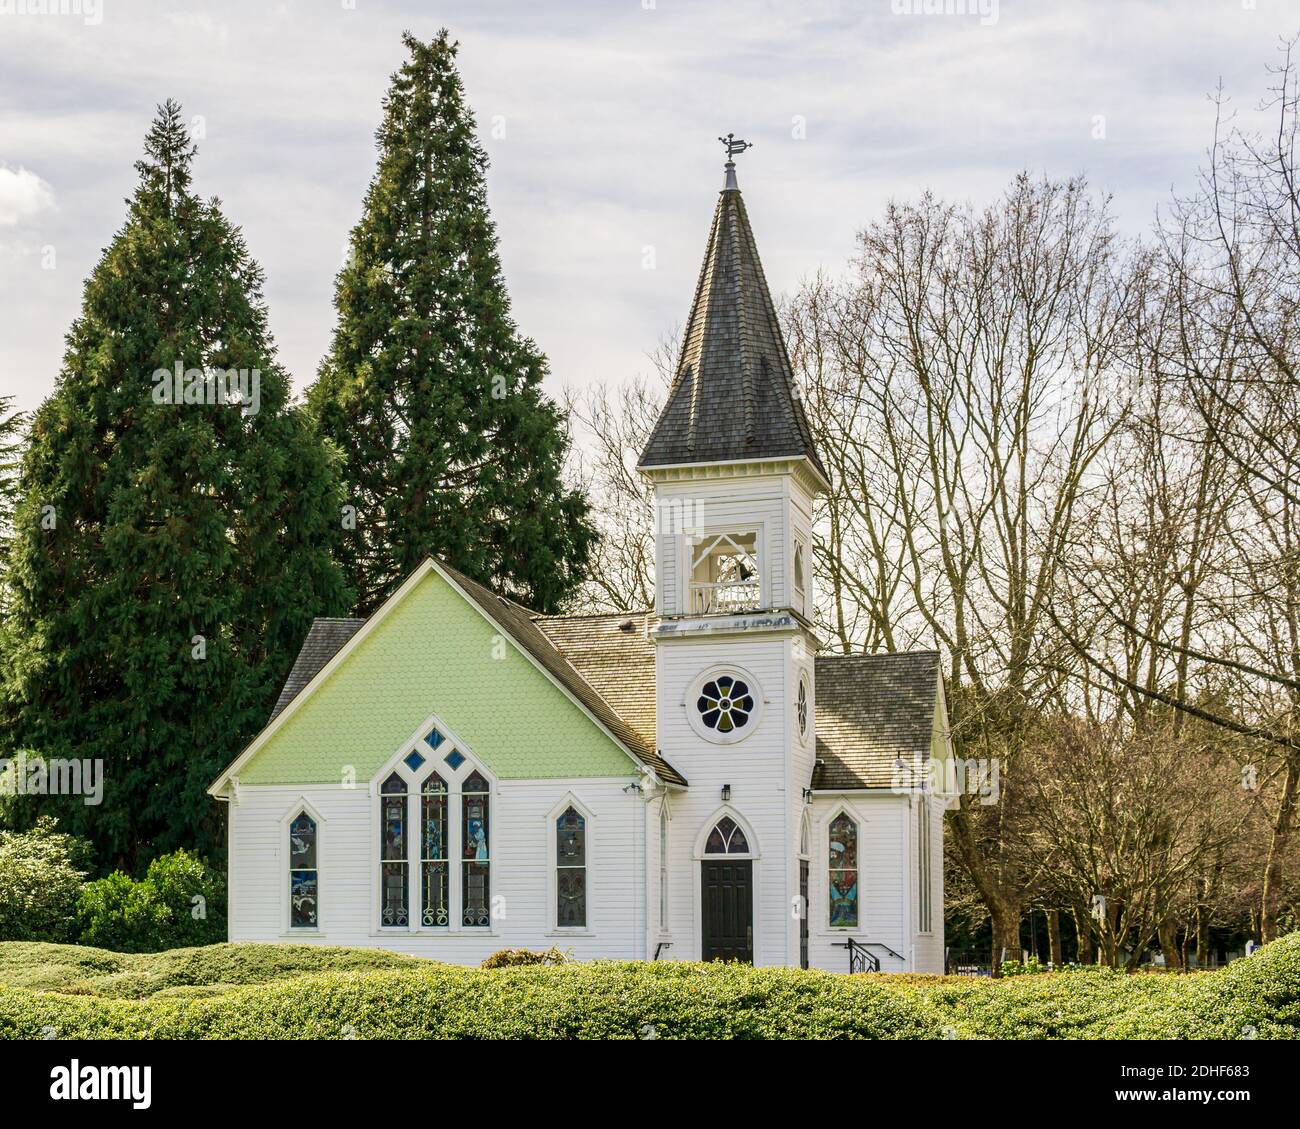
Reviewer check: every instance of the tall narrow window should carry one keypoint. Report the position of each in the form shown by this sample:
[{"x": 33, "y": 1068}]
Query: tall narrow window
[
  {"x": 303, "y": 873},
  {"x": 434, "y": 909},
  {"x": 393, "y": 905},
  {"x": 663, "y": 865},
  {"x": 843, "y": 872},
  {"x": 798, "y": 575},
  {"x": 476, "y": 862},
  {"x": 571, "y": 870},
  {"x": 923, "y": 863}
]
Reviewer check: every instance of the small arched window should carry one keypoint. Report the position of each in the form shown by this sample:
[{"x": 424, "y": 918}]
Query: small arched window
[
  {"x": 726, "y": 838},
  {"x": 393, "y": 907},
  {"x": 434, "y": 909},
  {"x": 843, "y": 872},
  {"x": 303, "y": 873},
  {"x": 571, "y": 870},
  {"x": 798, "y": 570},
  {"x": 476, "y": 862}
]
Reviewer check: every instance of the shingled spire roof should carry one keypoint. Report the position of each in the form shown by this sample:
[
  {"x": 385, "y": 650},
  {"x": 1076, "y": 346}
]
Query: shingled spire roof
[{"x": 733, "y": 397}]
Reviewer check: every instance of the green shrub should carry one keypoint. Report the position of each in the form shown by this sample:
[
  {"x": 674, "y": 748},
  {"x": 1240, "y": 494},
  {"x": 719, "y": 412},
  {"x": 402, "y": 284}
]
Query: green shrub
[
  {"x": 41, "y": 875},
  {"x": 81, "y": 970},
  {"x": 179, "y": 902},
  {"x": 295, "y": 991},
  {"x": 600, "y": 1000}
]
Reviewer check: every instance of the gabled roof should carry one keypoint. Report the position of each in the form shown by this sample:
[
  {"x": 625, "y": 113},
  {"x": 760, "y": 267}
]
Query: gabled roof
[
  {"x": 613, "y": 653},
  {"x": 872, "y": 710},
  {"x": 323, "y": 642},
  {"x": 733, "y": 398},
  {"x": 329, "y": 636},
  {"x": 519, "y": 623}
]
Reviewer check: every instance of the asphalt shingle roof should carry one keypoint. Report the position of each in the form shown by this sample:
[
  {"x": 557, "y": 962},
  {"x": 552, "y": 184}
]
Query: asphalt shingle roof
[
  {"x": 323, "y": 642},
  {"x": 734, "y": 394},
  {"x": 872, "y": 710}
]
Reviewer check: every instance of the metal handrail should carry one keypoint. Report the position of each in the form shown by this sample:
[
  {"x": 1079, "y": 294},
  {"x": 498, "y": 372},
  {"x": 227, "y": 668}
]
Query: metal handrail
[{"x": 861, "y": 959}]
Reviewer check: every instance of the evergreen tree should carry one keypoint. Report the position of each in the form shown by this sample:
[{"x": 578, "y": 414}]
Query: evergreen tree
[
  {"x": 11, "y": 436},
  {"x": 429, "y": 389},
  {"x": 169, "y": 551}
]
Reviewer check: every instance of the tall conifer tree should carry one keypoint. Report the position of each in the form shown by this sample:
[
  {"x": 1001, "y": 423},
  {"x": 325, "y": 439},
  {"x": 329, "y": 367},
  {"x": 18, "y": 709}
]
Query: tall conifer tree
[
  {"x": 168, "y": 556},
  {"x": 429, "y": 389}
]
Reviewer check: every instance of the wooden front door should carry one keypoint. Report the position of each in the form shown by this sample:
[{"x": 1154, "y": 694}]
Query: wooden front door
[{"x": 727, "y": 888}]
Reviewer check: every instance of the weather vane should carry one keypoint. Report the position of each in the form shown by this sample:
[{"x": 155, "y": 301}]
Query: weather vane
[{"x": 734, "y": 145}]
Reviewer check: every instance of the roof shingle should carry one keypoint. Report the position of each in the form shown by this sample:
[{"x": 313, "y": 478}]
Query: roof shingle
[{"x": 734, "y": 395}]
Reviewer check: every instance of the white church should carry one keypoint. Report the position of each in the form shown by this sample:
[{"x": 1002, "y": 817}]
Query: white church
[{"x": 457, "y": 774}]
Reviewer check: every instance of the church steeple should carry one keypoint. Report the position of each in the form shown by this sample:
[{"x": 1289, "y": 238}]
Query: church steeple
[{"x": 733, "y": 397}]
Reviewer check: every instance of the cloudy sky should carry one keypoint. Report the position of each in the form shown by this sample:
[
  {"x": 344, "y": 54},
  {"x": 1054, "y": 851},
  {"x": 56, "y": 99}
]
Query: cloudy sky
[{"x": 599, "y": 117}]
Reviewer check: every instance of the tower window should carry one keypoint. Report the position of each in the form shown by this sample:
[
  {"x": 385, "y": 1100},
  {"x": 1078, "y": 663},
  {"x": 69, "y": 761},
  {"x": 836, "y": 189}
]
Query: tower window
[{"x": 725, "y": 574}]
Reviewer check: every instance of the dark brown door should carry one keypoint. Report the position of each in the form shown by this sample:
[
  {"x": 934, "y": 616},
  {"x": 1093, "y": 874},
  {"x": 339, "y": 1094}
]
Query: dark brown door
[
  {"x": 803, "y": 913},
  {"x": 728, "y": 896}
]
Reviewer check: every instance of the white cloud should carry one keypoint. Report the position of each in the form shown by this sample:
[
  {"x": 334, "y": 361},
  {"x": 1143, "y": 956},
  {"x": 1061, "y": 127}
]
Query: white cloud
[{"x": 23, "y": 196}]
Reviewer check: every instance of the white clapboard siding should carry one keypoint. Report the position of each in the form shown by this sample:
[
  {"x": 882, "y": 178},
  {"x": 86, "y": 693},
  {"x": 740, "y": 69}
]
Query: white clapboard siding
[
  {"x": 521, "y": 860},
  {"x": 884, "y": 909}
]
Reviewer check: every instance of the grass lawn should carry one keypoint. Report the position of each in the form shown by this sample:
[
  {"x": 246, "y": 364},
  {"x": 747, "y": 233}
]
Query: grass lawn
[{"x": 299, "y": 991}]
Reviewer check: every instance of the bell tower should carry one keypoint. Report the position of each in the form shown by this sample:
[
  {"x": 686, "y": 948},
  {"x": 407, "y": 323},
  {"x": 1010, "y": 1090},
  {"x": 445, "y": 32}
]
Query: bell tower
[{"x": 735, "y": 473}]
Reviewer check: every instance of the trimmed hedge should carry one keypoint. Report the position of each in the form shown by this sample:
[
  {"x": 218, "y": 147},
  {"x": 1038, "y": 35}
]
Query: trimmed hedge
[{"x": 271, "y": 991}]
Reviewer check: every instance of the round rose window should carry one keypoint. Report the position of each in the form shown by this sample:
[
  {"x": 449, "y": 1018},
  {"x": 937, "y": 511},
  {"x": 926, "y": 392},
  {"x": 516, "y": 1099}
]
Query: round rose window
[{"x": 725, "y": 704}]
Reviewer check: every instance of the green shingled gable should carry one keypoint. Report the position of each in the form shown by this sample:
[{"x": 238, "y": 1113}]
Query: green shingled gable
[{"x": 434, "y": 653}]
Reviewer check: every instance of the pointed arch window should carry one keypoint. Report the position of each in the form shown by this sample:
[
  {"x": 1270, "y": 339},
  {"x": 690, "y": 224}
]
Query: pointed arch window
[
  {"x": 434, "y": 900},
  {"x": 843, "y": 872},
  {"x": 476, "y": 861},
  {"x": 304, "y": 873},
  {"x": 726, "y": 838},
  {"x": 394, "y": 908},
  {"x": 798, "y": 574},
  {"x": 571, "y": 870}
]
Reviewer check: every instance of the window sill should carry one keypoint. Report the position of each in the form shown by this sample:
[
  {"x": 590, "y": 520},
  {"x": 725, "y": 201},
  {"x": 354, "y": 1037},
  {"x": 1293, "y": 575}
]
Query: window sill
[
  {"x": 292, "y": 933},
  {"x": 569, "y": 933},
  {"x": 436, "y": 932}
]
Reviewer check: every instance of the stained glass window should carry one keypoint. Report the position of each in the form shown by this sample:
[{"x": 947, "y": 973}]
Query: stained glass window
[
  {"x": 303, "y": 873},
  {"x": 393, "y": 902},
  {"x": 413, "y": 760},
  {"x": 843, "y": 872},
  {"x": 434, "y": 910},
  {"x": 434, "y": 739},
  {"x": 725, "y": 704},
  {"x": 455, "y": 759},
  {"x": 726, "y": 838},
  {"x": 476, "y": 863},
  {"x": 571, "y": 870},
  {"x": 801, "y": 706}
]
